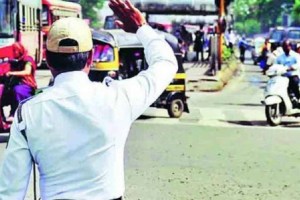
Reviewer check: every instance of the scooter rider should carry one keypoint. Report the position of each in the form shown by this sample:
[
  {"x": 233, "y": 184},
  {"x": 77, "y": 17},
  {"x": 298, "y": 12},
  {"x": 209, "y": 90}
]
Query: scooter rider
[{"x": 291, "y": 60}]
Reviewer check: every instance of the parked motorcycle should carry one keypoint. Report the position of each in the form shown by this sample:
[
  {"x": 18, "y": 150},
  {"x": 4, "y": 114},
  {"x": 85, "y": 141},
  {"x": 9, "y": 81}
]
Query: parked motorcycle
[{"x": 278, "y": 101}]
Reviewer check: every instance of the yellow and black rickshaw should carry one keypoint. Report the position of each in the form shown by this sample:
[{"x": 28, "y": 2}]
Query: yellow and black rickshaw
[{"x": 123, "y": 53}]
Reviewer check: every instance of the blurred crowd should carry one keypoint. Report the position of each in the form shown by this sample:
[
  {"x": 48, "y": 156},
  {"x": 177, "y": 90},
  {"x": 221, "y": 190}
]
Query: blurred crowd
[{"x": 194, "y": 39}]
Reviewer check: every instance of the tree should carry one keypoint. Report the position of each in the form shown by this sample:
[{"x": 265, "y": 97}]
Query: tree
[
  {"x": 296, "y": 12},
  {"x": 243, "y": 11},
  {"x": 253, "y": 26},
  {"x": 90, "y": 9},
  {"x": 267, "y": 12},
  {"x": 270, "y": 11}
]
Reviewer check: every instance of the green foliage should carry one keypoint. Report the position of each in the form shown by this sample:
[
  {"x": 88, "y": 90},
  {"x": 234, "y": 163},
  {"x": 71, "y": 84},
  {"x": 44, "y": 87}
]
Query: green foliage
[
  {"x": 239, "y": 27},
  {"x": 296, "y": 12},
  {"x": 265, "y": 12},
  {"x": 249, "y": 26},
  {"x": 90, "y": 10},
  {"x": 226, "y": 53}
]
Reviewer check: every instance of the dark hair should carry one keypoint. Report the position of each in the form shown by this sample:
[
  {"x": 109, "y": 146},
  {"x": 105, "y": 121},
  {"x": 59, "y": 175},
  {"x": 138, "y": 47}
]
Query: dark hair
[
  {"x": 67, "y": 61},
  {"x": 286, "y": 42}
]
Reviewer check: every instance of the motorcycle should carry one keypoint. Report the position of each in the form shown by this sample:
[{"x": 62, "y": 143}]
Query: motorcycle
[{"x": 278, "y": 100}]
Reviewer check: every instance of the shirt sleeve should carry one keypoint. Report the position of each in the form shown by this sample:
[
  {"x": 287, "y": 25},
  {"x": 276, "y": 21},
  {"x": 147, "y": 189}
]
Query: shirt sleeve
[
  {"x": 277, "y": 60},
  {"x": 142, "y": 90},
  {"x": 16, "y": 167},
  {"x": 297, "y": 62}
]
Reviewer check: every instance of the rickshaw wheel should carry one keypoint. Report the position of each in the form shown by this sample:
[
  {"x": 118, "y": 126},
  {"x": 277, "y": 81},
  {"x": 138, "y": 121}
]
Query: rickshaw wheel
[{"x": 175, "y": 108}]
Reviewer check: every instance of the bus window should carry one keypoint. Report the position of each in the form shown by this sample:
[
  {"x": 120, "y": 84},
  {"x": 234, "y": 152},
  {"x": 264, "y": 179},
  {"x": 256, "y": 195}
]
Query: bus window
[
  {"x": 103, "y": 53},
  {"x": 22, "y": 18},
  {"x": 6, "y": 18},
  {"x": 20, "y": 22},
  {"x": 45, "y": 16}
]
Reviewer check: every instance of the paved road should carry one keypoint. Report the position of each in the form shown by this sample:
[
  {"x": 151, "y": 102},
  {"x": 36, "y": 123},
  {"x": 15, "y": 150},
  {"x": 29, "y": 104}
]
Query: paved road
[
  {"x": 222, "y": 150},
  {"x": 185, "y": 162},
  {"x": 239, "y": 104}
]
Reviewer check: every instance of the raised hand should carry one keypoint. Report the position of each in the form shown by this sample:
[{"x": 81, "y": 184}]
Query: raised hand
[{"x": 129, "y": 17}]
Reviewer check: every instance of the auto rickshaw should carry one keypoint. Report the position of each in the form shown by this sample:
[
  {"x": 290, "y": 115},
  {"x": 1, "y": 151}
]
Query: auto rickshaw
[{"x": 122, "y": 52}]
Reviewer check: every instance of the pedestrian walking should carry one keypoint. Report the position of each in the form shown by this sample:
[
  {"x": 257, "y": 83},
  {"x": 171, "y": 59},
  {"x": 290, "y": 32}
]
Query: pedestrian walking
[
  {"x": 265, "y": 50},
  {"x": 187, "y": 40},
  {"x": 75, "y": 131},
  {"x": 243, "y": 46},
  {"x": 230, "y": 39},
  {"x": 199, "y": 43}
]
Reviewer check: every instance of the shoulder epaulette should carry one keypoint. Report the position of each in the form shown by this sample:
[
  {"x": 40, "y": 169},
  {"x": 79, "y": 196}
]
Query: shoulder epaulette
[{"x": 21, "y": 123}]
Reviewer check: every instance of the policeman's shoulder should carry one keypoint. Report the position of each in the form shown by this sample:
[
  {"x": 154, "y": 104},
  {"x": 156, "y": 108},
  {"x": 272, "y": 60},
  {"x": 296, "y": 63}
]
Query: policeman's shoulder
[
  {"x": 38, "y": 92},
  {"x": 27, "y": 99}
]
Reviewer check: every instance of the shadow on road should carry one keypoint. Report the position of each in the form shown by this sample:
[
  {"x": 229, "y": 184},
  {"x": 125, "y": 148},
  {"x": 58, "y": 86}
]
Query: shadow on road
[
  {"x": 145, "y": 117},
  {"x": 291, "y": 124},
  {"x": 262, "y": 87},
  {"x": 263, "y": 123},
  {"x": 247, "y": 123},
  {"x": 243, "y": 104}
]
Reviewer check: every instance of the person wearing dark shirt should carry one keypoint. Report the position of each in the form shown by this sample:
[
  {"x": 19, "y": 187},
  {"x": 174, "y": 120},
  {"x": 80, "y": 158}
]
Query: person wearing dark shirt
[{"x": 198, "y": 43}]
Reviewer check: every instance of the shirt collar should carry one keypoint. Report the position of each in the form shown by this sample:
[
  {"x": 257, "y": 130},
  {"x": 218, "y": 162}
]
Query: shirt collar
[{"x": 78, "y": 76}]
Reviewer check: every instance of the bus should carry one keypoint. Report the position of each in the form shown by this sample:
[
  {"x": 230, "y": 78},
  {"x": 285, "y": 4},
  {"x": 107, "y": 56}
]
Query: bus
[
  {"x": 54, "y": 10},
  {"x": 20, "y": 21},
  {"x": 28, "y": 22}
]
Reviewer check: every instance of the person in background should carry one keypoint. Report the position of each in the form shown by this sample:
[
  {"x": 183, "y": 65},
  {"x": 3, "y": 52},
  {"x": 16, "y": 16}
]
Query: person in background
[
  {"x": 199, "y": 43},
  {"x": 243, "y": 46},
  {"x": 265, "y": 50},
  {"x": 187, "y": 39},
  {"x": 76, "y": 130},
  {"x": 4, "y": 68},
  {"x": 275, "y": 52},
  {"x": 230, "y": 39},
  {"x": 291, "y": 60},
  {"x": 21, "y": 82},
  {"x": 298, "y": 48}
]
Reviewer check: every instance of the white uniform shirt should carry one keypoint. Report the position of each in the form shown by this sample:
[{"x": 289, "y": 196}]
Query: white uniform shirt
[
  {"x": 77, "y": 130},
  {"x": 292, "y": 60}
]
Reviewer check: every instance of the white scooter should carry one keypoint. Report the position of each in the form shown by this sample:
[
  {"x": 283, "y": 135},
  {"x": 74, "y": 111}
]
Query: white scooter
[{"x": 277, "y": 98}]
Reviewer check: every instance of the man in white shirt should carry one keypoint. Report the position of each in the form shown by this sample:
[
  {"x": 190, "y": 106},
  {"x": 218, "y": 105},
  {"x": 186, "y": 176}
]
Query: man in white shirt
[
  {"x": 230, "y": 39},
  {"x": 291, "y": 60},
  {"x": 76, "y": 130}
]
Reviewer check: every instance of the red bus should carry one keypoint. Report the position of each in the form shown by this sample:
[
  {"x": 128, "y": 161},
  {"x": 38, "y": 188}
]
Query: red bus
[
  {"x": 28, "y": 22},
  {"x": 20, "y": 20},
  {"x": 56, "y": 9}
]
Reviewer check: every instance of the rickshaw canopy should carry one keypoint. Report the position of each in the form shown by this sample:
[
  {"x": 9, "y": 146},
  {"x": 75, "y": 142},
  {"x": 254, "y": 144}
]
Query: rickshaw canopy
[{"x": 121, "y": 39}]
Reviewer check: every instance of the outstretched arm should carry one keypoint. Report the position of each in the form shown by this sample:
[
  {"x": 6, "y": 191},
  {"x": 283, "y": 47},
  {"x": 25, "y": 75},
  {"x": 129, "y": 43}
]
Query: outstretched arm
[{"x": 142, "y": 90}]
